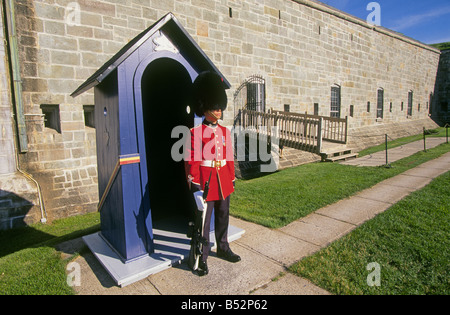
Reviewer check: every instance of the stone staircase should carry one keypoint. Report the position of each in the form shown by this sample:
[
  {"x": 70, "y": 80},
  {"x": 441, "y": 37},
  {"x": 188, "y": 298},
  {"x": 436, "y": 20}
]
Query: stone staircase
[{"x": 333, "y": 152}]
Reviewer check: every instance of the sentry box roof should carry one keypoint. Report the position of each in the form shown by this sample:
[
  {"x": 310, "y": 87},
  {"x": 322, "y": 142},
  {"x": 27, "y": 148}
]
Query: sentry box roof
[{"x": 179, "y": 39}]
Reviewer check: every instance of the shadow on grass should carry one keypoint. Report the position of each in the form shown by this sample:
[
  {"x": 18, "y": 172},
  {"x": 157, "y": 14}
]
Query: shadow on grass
[{"x": 33, "y": 237}]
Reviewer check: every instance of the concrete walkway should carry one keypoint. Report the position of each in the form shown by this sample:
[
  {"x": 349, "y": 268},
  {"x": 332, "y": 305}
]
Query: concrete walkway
[
  {"x": 395, "y": 154},
  {"x": 265, "y": 252}
]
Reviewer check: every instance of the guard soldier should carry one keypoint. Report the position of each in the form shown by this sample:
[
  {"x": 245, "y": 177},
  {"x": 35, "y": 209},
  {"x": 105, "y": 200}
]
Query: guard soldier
[{"x": 210, "y": 160}]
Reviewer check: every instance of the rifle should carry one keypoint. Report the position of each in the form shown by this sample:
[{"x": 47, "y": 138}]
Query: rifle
[
  {"x": 198, "y": 241},
  {"x": 205, "y": 192}
]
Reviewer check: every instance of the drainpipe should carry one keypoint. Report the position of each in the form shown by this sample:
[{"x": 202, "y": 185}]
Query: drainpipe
[
  {"x": 30, "y": 177},
  {"x": 21, "y": 142},
  {"x": 16, "y": 79}
]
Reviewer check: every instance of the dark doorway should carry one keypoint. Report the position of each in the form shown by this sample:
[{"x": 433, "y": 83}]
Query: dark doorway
[{"x": 166, "y": 90}]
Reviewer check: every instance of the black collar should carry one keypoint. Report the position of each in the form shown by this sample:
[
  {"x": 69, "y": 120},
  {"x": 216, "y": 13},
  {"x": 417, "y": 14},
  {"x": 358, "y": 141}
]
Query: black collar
[{"x": 210, "y": 124}]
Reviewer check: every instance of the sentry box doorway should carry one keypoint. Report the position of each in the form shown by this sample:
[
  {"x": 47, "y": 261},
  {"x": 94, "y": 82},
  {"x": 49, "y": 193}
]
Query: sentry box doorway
[{"x": 141, "y": 94}]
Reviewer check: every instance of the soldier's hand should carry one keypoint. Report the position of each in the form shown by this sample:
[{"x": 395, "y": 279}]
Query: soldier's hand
[{"x": 201, "y": 204}]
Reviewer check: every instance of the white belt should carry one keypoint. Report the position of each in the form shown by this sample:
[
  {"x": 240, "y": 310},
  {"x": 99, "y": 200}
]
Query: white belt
[{"x": 209, "y": 163}]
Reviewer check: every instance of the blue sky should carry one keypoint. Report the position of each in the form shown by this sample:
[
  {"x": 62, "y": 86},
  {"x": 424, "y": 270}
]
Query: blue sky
[{"x": 427, "y": 21}]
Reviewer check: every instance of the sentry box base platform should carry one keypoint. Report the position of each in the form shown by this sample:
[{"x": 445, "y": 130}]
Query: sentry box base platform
[{"x": 171, "y": 249}]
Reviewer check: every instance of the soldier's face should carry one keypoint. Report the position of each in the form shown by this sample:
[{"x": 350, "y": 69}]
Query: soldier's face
[{"x": 213, "y": 115}]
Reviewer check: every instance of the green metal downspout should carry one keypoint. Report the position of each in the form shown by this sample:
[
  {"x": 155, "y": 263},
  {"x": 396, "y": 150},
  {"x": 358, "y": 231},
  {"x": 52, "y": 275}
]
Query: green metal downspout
[
  {"x": 21, "y": 142},
  {"x": 17, "y": 81}
]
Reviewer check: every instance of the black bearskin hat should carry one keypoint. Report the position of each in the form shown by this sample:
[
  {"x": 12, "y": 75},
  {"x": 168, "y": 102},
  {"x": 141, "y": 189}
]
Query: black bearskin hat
[{"x": 208, "y": 93}]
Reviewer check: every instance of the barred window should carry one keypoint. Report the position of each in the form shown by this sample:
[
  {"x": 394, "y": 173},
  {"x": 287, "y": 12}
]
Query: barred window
[
  {"x": 410, "y": 103},
  {"x": 251, "y": 95},
  {"x": 335, "y": 109},
  {"x": 380, "y": 103},
  {"x": 256, "y": 94}
]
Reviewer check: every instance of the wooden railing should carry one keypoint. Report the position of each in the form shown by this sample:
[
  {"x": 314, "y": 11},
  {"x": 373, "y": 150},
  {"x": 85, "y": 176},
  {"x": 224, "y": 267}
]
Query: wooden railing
[
  {"x": 300, "y": 131},
  {"x": 335, "y": 129}
]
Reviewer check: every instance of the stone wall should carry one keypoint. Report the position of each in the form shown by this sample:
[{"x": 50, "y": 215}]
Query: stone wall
[
  {"x": 18, "y": 196},
  {"x": 19, "y": 201},
  {"x": 301, "y": 48},
  {"x": 366, "y": 137}
]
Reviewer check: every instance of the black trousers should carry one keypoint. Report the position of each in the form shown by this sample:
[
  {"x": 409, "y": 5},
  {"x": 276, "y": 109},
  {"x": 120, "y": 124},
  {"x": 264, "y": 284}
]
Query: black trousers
[{"x": 221, "y": 220}]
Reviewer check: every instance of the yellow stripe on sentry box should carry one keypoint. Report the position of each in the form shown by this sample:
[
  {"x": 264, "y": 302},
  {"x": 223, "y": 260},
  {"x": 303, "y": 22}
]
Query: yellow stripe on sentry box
[{"x": 130, "y": 159}]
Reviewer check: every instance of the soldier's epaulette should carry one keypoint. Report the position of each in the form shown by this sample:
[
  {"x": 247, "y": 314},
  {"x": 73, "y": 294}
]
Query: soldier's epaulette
[{"x": 196, "y": 127}]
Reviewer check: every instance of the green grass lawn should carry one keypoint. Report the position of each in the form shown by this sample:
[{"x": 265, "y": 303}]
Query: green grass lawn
[
  {"x": 29, "y": 262},
  {"x": 439, "y": 132},
  {"x": 35, "y": 270},
  {"x": 410, "y": 242},
  {"x": 278, "y": 199}
]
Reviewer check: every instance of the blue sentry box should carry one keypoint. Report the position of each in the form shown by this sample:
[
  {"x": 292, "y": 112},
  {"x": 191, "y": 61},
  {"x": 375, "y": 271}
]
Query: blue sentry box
[{"x": 141, "y": 94}]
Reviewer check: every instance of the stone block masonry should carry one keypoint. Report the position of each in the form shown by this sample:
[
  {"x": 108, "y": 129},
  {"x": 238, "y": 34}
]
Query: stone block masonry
[
  {"x": 301, "y": 48},
  {"x": 19, "y": 201}
]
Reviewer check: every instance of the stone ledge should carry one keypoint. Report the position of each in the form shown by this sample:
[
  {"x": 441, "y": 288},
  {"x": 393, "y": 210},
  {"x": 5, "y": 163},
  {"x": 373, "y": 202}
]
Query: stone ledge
[{"x": 19, "y": 201}]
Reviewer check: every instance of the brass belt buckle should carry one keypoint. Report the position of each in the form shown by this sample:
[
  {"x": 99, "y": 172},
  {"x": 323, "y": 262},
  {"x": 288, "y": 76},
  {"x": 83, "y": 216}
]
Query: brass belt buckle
[{"x": 217, "y": 164}]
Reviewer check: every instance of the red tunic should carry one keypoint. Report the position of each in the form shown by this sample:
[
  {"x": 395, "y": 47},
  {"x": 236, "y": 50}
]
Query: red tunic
[{"x": 208, "y": 144}]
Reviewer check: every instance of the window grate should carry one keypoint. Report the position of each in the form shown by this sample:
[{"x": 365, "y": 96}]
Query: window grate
[
  {"x": 410, "y": 103},
  {"x": 380, "y": 103},
  {"x": 335, "y": 109}
]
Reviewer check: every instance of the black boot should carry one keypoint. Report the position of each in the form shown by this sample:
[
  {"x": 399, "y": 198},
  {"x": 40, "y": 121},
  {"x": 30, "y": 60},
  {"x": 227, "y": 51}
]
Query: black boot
[
  {"x": 202, "y": 268},
  {"x": 228, "y": 255}
]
